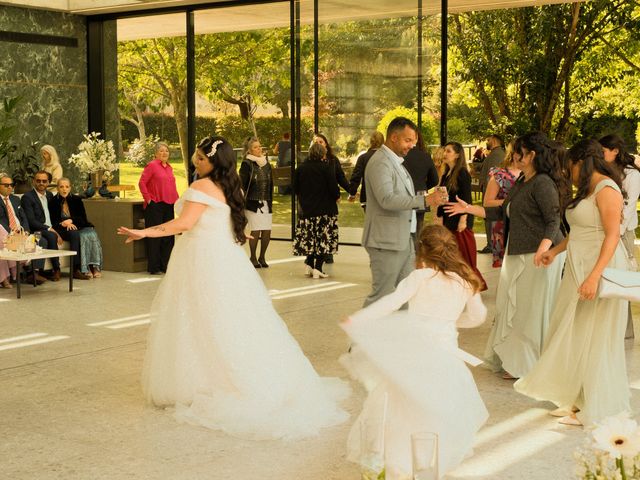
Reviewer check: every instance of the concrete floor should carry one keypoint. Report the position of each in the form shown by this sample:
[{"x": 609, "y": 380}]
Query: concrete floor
[{"x": 72, "y": 406}]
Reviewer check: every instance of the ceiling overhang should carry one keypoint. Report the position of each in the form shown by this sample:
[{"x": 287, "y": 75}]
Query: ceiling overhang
[{"x": 96, "y": 7}]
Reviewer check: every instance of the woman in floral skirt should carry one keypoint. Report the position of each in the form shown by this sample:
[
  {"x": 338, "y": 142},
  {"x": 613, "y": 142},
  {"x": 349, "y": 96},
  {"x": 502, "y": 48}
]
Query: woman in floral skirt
[{"x": 317, "y": 230}]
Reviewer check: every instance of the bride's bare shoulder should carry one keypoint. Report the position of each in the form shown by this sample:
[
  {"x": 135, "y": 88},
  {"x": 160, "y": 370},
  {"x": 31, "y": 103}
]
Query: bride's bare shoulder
[{"x": 207, "y": 187}]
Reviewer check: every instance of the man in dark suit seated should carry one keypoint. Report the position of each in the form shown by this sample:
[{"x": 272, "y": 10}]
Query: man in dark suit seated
[
  {"x": 13, "y": 217},
  {"x": 35, "y": 204}
]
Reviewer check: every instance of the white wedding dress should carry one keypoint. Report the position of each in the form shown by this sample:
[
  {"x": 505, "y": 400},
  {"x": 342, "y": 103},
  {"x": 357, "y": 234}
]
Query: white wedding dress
[
  {"x": 416, "y": 376},
  {"x": 218, "y": 351}
]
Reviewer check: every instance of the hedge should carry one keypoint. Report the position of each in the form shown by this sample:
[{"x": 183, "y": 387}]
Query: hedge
[{"x": 232, "y": 127}]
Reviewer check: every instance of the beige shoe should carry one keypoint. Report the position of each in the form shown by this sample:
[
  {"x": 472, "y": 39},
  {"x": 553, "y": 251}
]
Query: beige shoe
[
  {"x": 571, "y": 420},
  {"x": 563, "y": 412},
  {"x": 308, "y": 271},
  {"x": 318, "y": 274}
]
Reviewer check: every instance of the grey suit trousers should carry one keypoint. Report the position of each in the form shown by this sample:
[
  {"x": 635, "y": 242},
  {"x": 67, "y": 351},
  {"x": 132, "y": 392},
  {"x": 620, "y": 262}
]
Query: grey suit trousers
[{"x": 388, "y": 268}]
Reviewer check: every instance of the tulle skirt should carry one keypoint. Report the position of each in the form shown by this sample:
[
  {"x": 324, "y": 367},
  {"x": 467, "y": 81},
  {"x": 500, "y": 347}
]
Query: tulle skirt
[{"x": 417, "y": 382}]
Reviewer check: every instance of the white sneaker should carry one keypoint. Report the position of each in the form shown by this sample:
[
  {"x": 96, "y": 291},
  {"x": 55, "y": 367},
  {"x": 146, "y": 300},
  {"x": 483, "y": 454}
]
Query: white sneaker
[
  {"x": 318, "y": 274},
  {"x": 308, "y": 271}
]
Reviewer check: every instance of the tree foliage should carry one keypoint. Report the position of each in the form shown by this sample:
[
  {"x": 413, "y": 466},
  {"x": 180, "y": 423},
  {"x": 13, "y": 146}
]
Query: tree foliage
[
  {"x": 153, "y": 72},
  {"x": 521, "y": 63}
]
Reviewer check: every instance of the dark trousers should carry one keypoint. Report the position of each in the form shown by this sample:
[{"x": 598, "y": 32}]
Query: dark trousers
[
  {"x": 158, "y": 249},
  {"x": 50, "y": 241},
  {"x": 73, "y": 237}
]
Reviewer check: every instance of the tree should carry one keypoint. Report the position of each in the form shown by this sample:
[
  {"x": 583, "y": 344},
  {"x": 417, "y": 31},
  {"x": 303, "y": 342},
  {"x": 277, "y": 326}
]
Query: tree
[
  {"x": 246, "y": 69},
  {"x": 157, "y": 67},
  {"x": 521, "y": 62}
]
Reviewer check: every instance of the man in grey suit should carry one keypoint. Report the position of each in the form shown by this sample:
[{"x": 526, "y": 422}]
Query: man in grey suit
[{"x": 390, "y": 219}]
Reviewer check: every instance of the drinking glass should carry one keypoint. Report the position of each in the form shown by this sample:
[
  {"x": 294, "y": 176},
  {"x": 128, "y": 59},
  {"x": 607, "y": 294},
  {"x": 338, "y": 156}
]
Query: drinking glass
[
  {"x": 371, "y": 448},
  {"x": 424, "y": 454},
  {"x": 444, "y": 196},
  {"x": 37, "y": 236}
]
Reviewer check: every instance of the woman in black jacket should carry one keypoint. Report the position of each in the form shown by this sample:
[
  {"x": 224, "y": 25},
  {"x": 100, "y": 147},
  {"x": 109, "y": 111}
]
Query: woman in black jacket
[
  {"x": 457, "y": 179},
  {"x": 336, "y": 169},
  {"x": 317, "y": 230},
  {"x": 68, "y": 216},
  {"x": 257, "y": 184}
]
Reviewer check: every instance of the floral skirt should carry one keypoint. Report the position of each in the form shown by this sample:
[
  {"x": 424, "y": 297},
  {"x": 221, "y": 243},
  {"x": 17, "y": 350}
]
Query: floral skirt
[{"x": 316, "y": 235}]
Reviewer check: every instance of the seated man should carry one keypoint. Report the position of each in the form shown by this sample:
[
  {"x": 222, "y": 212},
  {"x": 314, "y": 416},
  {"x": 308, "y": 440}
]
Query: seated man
[
  {"x": 35, "y": 204},
  {"x": 13, "y": 217}
]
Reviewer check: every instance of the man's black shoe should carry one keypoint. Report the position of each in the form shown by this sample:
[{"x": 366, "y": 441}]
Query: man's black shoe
[{"x": 486, "y": 249}]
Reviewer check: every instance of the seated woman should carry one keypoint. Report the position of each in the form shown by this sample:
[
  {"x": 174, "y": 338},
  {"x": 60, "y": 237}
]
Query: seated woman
[
  {"x": 69, "y": 219},
  {"x": 7, "y": 268}
]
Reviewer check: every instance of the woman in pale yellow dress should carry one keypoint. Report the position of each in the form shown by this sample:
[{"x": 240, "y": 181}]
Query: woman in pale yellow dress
[{"x": 582, "y": 367}]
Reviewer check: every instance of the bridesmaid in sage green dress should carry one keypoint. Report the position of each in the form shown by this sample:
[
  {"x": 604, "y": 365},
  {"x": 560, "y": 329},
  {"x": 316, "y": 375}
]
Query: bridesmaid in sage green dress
[{"x": 582, "y": 368}]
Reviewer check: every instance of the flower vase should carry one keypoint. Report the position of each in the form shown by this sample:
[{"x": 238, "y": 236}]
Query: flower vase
[{"x": 96, "y": 178}]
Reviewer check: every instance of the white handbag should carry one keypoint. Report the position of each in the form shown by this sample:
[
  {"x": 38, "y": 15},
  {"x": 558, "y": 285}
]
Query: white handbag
[{"x": 620, "y": 284}]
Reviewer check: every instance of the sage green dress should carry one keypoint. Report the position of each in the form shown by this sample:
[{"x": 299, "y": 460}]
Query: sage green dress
[{"x": 583, "y": 360}]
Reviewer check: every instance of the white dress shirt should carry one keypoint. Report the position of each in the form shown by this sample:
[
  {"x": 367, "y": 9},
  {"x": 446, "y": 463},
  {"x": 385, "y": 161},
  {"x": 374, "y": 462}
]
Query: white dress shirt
[{"x": 45, "y": 207}]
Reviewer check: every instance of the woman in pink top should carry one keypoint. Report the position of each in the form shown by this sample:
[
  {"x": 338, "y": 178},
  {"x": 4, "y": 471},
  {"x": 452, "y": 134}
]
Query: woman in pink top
[{"x": 158, "y": 187}]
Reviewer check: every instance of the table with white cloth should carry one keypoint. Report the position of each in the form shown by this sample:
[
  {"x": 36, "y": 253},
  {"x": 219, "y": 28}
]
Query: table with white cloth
[{"x": 19, "y": 257}]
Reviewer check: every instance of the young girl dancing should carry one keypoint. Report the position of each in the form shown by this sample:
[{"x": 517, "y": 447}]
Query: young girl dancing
[{"x": 410, "y": 363}]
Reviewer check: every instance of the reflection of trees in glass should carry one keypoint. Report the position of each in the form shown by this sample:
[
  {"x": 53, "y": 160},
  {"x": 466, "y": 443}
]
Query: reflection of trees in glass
[
  {"x": 153, "y": 72},
  {"x": 370, "y": 67},
  {"x": 247, "y": 69},
  {"x": 524, "y": 67}
]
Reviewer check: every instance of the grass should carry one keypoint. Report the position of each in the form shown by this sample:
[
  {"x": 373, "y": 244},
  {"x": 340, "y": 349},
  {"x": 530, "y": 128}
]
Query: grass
[{"x": 351, "y": 214}]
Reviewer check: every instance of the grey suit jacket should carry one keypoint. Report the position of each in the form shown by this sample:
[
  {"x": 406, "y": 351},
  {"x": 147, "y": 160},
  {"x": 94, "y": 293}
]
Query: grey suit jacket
[{"x": 390, "y": 201}]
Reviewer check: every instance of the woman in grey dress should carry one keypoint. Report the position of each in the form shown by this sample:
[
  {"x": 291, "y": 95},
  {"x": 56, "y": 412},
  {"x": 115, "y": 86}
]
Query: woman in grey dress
[{"x": 526, "y": 293}]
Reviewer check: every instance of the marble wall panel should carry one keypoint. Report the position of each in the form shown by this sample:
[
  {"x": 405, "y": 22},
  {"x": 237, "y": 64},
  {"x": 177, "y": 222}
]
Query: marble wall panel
[{"x": 50, "y": 79}]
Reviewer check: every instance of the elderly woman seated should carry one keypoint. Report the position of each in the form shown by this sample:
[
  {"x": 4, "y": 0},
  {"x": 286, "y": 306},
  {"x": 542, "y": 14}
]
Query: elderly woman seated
[{"x": 69, "y": 219}]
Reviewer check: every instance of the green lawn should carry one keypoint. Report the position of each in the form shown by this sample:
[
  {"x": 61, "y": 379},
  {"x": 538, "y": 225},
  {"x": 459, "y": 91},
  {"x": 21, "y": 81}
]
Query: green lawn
[{"x": 351, "y": 214}]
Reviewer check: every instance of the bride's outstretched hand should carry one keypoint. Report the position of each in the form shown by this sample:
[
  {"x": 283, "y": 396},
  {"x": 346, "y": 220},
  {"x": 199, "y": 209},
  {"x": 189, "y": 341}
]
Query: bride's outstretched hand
[
  {"x": 456, "y": 208},
  {"x": 131, "y": 234},
  {"x": 345, "y": 321}
]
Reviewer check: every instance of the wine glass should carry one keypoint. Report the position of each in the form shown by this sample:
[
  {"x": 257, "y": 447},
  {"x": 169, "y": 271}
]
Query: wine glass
[{"x": 424, "y": 453}]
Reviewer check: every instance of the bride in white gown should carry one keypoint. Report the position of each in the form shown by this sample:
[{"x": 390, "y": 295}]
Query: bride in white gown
[{"x": 217, "y": 350}]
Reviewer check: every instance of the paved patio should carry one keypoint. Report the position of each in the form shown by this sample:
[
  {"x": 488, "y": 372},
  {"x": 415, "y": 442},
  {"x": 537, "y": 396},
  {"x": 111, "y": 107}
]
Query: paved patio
[{"x": 72, "y": 406}]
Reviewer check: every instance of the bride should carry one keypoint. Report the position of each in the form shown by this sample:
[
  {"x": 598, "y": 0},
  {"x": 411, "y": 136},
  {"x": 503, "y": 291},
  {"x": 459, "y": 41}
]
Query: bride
[{"x": 217, "y": 349}]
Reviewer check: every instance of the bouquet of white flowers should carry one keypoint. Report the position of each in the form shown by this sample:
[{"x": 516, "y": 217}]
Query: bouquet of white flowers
[
  {"x": 142, "y": 152},
  {"x": 94, "y": 155},
  {"x": 612, "y": 452}
]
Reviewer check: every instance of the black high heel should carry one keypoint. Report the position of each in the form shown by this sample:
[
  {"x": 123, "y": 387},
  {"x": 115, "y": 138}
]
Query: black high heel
[
  {"x": 256, "y": 264},
  {"x": 263, "y": 263}
]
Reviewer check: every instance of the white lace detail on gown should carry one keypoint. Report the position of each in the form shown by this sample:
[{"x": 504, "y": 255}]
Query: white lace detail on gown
[{"x": 218, "y": 350}]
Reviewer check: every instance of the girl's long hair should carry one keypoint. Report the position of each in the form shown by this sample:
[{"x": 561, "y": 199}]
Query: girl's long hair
[
  {"x": 592, "y": 157},
  {"x": 224, "y": 175},
  {"x": 438, "y": 249},
  {"x": 624, "y": 159},
  {"x": 454, "y": 173}
]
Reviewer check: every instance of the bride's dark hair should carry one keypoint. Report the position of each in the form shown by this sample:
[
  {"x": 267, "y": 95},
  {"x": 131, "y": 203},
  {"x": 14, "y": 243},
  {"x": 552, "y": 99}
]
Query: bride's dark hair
[{"x": 224, "y": 175}]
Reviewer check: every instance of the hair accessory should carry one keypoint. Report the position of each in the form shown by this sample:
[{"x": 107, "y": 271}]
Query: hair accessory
[{"x": 214, "y": 147}]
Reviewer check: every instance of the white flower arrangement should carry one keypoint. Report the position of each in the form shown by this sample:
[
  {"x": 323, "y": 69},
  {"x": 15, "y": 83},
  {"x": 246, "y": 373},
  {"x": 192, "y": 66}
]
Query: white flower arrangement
[
  {"x": 94, "y": 155},
  {"x": 612, "y": 452},
  {"x": 142, "y": 152}
]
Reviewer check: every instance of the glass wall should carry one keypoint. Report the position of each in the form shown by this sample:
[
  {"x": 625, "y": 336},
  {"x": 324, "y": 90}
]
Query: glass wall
[
  {"x": 243, "y": 85},
  {"x": 354, "y": 70},
  {"x": 152, "y": 90}
]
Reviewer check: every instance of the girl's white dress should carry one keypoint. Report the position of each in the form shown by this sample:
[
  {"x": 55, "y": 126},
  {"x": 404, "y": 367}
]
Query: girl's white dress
[
  {"x": 416, "y": 376},
  {"x": 219, "y": 352}
]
